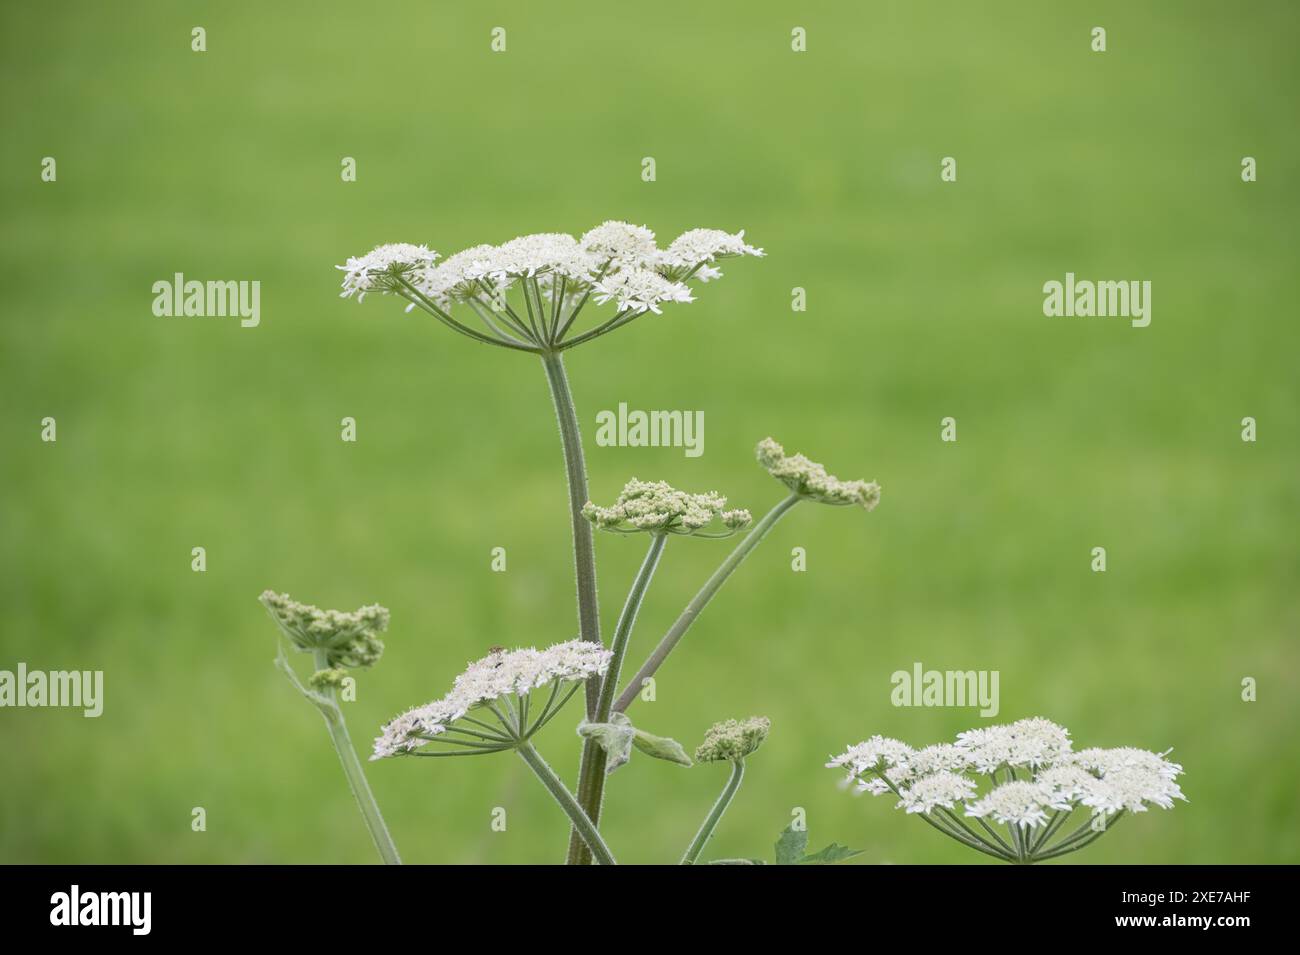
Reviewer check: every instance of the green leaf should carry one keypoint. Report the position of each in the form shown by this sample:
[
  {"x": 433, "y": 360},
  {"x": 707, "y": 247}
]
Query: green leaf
[
  {"x": 614, "y": 737},
  {"x": 830, "y": 855},
  {"x": 790, "y": 847},
  {"x": 660, "y": 747},
  {"x": 736, "y": 862}
]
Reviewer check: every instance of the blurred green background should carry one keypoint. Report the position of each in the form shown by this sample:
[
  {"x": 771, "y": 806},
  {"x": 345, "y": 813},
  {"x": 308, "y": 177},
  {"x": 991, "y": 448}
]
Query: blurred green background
[{"x": 924, "y": 301}]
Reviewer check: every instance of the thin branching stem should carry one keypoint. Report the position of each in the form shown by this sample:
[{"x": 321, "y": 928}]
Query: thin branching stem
[
  {"x": 701, "y": 600},
  {"x": 356, "y": 777},
  {"x": 586, "y": 829},
  {"x": 591, "y": 777},
  {"x": 412, "y": 294},
  {"x": 715, "y": 814}
]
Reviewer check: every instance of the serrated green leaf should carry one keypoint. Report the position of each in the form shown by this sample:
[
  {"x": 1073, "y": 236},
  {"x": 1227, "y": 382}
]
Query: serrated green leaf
[
  {"x": 614, "y": 737},
  {"x": 830, "y": 855},
  {"x": 790, "y": 847},
  {"x": 661, "y": 747}
]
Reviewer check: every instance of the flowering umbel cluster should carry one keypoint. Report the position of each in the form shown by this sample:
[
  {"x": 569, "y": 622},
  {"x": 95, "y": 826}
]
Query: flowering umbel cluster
[
  {"x": 1035, "y": 782},
  {"x": 501, "y": 685},
  {"x": 347, "y": 640},
  {"x": 809, "y": 480},
  {"x": 551, "y": 275},
  {"x": 659, "y": 508}
]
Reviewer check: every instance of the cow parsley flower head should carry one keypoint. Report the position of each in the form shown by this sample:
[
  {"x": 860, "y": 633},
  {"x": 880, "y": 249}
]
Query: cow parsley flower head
[
  {"x": 639, "y": 290},
  {"x": 941, "y": 757},
  {"x": 1025, "y": 776},
  {"x": 942, "y": 788},
  {"x": 382, "y": 267},
  {"x": 1064, "y": 784},
  {"x": 456, "y": 278},
  {"x": 502, "y": 685},
  {"x": 555, "y": 253},
  {"x": 1031, "y": 742},
  {"x": 659, "y": 508},
  {"x": 1016, "y": 803},
  {"x": 348, "y": 639},
  {"x": 691, "y": 250},
  {"x": 619, "y": 245},
  {"x": 874, "y": 755},
  {"x": 809, "y": 480},
  {"x": 732, "y": 740},
  {"x": 1129, "y": 779},
  {"x": 527, "y": 294}
]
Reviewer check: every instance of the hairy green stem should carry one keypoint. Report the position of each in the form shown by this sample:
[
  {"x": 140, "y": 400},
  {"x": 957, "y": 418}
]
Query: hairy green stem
[
  {"x": 585, "y": 827},
  {"x": 591, "y": 775},
  {"x": 715, "y": 814},
  {"x": 700, "y": 601},
  {"x": 356, "y": 777},
  {"x": 584, "y": 547},
  {"x": 626, "y": 621}
]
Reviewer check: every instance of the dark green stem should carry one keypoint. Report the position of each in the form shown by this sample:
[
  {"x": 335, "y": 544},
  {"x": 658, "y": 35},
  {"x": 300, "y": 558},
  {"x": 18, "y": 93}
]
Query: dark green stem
[{"x": 591, "y": 775}]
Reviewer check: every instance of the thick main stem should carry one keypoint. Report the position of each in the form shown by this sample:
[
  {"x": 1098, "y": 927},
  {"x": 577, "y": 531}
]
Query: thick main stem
[
  {"x": 715, "y": 814},
  {"x": 356, "y": 777},
  {"x": 584, "y": 550},
  {"x": 591, "y": 775},
  {"x": 581, "y": 822},
  {"x": 584, "y": 547},
  {"x": 700, "y": 601}
]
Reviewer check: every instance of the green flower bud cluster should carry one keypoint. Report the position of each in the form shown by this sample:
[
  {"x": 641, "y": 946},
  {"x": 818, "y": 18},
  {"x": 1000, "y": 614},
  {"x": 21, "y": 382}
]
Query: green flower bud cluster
[
  {"x": 349, "y": 640},
  {"x": 732, "y": 740},
  {"x": 809, "y": 479},
  {"x": 323, "y": 678}
]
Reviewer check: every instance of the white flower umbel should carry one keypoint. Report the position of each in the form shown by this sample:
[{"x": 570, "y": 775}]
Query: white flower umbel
[
  {"x": 338, "y": 641},
  {"x": 382, "y": 269},
  {"x": 657, "y": 507},
  {"x": 498, "y": 688},
  {"x": 1032, "y": 742},
  {"x": 938, "y": 790},
  {"x": 639, "y": 290},
  {"x": 1034, "y": 783},
  {"x": 618, "y": 245},
  {"x": 689, "y": 252},
  {"x": 1017, "y": 803},
  {"x": 499, "y": 703},
  {"x": 527, "y": 293}
]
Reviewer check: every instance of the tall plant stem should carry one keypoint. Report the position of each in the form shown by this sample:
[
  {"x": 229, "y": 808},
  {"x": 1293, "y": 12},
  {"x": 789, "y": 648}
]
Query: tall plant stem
[
  {"x": 584, "y": 548},
  {"x": 715, "y": 814},
  {"x": 581, "y": 822},
  {"x": 356, "y": 777},
  {"x": 591, "y": 775},
  {"x": 700, "y": 601}
]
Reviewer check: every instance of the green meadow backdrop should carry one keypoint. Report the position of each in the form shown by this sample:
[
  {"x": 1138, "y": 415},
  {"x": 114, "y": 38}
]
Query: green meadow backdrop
[{"x": 924, "y": 300}]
